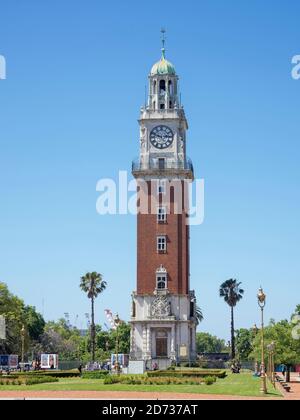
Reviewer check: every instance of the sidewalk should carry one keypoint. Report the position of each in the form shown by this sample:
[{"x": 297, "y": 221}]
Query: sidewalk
[
  {"x": 294, "y": 394},
  {"x": 111, "y": 395}
]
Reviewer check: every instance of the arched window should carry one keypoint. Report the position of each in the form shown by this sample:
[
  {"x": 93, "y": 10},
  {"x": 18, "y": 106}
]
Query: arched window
[
  {"x": 161, "y": 278},
  {"x": 170, "y": 87},
  {"x": 161, "y": 282},
  {"x": 170, "y": 104},
  {"x": 162, "y": 87}
]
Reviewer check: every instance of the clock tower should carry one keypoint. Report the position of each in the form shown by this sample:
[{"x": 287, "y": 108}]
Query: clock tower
[{"x": 163, "y": 316}]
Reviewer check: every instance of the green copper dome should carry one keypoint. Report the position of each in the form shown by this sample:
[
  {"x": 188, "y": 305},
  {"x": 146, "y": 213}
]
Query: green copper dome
[{"x": 163, "y": 66}]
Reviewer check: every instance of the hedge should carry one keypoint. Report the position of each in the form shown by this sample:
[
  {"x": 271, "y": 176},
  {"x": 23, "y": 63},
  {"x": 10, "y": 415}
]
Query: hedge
[
  {"x": 33, "y": 380},
  {"x": 184, "y": 373},
  {"x": 48, "y": 373},
  {"x": 27, "y": 380},
  {"x": 10, "y": 382},
  {"x": 163, "y": 380},
  {"x": 100, "y": 374}
]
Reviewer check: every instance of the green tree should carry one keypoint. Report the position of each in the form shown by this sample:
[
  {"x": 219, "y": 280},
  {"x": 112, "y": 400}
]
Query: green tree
[
  {"x": 12, "y": 309},
  {"x": 104, "y": 340},
  {"x": 93, "y": 285},
  {"x": 207, "y": 343},
  {"x": 297, "y": 311},
  {"x": 232, "y": 293},
  {"x": 60, "y": 338},
  {"x": 16, "y": 315},
  {"x": 34, "y": 321},
  {"x": 244, "y": 341},
  {"x": 287, "y": 348},
  {"x": 124, "y": 338}
]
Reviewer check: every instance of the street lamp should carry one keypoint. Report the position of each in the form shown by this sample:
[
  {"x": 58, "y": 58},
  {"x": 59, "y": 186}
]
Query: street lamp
[
  {"x": 117, "y": 322},
  {"x": 271, "y": 351},
  {"x": 262, "y": 303},
  {"x": 23, "y": 345},
  {"x": 255, "y": 331}
]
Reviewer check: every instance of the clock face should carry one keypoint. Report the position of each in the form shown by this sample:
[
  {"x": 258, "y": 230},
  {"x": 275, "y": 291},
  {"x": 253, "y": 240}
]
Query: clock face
[{"x": 161, "y": 137}]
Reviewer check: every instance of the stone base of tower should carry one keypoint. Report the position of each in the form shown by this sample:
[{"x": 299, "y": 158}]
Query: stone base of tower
[{"x": 163, "y": 331}]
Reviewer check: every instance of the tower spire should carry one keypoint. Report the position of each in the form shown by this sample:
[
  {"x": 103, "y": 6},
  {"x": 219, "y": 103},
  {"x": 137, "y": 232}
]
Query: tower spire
[{"x": 163, "y": 41}]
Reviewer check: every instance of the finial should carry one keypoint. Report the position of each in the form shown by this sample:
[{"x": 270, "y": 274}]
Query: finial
[{"x": 163, "y": 41}]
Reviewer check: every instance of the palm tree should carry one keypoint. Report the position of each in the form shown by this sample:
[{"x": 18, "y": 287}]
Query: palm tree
[
  {"x": 93, "y": 285},
  {"x": 232, "y": 293},
  {"x": 199, "y": 314},
  {"x": 297, "y": 311}
]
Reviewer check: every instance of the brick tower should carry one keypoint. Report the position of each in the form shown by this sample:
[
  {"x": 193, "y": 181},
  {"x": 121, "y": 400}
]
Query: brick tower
[{"x": 163, "y": 322}]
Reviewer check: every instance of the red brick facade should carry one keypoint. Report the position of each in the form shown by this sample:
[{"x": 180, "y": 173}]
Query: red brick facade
[{"x": 176, "y": 258}]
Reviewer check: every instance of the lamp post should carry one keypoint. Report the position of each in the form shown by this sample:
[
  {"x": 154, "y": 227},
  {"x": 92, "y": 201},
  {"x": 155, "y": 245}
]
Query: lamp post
[
  {"x": 271, "y": 350},
  {"x": 22, "y": 345},
  {"x": 262, "y": 303},
  {"x": 117, "y": 323},
  {"x": 255, "y": 331}
]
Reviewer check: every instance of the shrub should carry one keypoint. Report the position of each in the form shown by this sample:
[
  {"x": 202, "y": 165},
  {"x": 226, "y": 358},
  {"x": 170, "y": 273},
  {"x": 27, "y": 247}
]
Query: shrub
[
  {"x": 48, "y": 373},
  {"x": 209, "y": 380},
  {"x": 7, "y": 381},
  {"x": 40, "y": 380},
  {"x": 190, "y": 365},
  {"x": 132, "y": 379},
  {"x": 100, "y": 374},
  {"x": 110, "y": 380},
  {"x": 188, "y": 373},
  {"x": 156, "y": 380}
]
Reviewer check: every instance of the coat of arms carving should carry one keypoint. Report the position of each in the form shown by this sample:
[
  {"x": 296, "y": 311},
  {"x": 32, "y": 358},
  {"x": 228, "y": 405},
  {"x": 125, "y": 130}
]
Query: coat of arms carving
[{"x": 160, "y": 308}]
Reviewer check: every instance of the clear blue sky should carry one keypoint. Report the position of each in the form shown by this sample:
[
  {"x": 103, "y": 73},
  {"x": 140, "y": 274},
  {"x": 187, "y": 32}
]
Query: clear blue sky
[{"x": 76, "y": 72}]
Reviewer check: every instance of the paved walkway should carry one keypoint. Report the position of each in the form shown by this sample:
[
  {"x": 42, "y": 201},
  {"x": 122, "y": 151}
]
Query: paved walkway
[
  {"x": 111, "y": 395},
  {"x": 294, "y": 394}
]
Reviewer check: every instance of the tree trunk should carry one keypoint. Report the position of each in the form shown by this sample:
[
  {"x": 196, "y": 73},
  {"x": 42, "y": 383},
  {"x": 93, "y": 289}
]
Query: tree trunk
[
  {"x": 232, "y": 335},
  {"x": 93, "y": 331},
  {"x": 288, "y": 374}
]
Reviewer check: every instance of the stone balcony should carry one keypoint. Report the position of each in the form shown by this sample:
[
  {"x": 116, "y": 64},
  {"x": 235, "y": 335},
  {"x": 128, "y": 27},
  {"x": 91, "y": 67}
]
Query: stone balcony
[
  {"x": 162, "y": 114},
  {"x": 168, "y": 168}
]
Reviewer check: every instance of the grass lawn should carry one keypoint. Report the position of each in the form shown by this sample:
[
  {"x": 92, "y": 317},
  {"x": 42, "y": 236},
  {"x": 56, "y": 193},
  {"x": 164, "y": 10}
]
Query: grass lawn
[{"x": 241, "y": 385}]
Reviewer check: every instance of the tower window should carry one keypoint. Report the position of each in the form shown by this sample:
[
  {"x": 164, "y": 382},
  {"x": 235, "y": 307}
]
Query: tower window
[
  {"x": 161, "y": 281},
  {"x": 161, "y": 186},
  {"x": 192, "y": 309},
  {"x": 154, "y": 87},
  {"x": 161, "y": 214},
  {"x": 162, "y": 106},
  {"x": 162, "y": 87},
  {"x": 170, "y": 105},
  {"x": 161, "y": 164},
  {"x": 154, "y": 105},
  {"x": 162, "y": 244},
  {"x": 170, "y": 87}
]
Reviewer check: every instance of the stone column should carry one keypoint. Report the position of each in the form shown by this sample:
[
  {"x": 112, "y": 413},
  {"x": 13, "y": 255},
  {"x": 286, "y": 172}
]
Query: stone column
[
  {"x": 144, "y": 341},
  {"x": 173, "y": 339},
  {"x": 148, "y": 349},
  {"x": 132, "y": 346}
]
